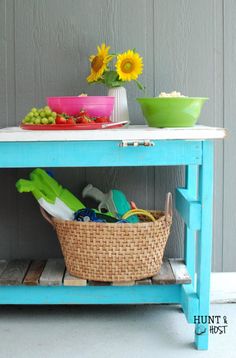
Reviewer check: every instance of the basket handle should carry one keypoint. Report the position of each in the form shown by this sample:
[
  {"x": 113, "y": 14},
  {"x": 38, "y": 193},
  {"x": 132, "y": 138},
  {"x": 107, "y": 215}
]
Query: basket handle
[
  {"x": 168, "y": 211},
  {"x": 140, "y": 212},
  {"x": 168, "y": 207},
  {"x": 46, "y": 216}
]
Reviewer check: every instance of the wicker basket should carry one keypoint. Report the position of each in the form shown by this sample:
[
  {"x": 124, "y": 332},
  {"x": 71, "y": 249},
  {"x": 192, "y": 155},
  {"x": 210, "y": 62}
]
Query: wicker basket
[{"x": 114, "y": 252}]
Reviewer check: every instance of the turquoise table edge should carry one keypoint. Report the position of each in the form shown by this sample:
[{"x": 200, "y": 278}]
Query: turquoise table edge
[
  {"x": 90, "y": 294},
  {"x": 193, "y": 202},
  {"x": 98, "y": 154}
]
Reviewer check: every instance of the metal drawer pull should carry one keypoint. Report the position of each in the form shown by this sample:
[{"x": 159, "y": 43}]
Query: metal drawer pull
[{"x": 131, "y": 143}]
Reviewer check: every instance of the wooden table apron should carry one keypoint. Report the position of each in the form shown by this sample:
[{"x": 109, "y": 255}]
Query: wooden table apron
[{"x": 194, "y": 203}]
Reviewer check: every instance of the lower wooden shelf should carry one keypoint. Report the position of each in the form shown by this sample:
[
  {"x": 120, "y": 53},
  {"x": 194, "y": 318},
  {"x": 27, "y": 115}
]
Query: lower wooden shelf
[{"x": 52, "y": 272}]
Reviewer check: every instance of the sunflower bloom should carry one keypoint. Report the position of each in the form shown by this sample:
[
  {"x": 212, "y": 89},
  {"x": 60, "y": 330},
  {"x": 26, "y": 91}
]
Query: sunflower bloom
[
  {"x": 99, "y": 63},
  {"x": 129, "y": 65}
]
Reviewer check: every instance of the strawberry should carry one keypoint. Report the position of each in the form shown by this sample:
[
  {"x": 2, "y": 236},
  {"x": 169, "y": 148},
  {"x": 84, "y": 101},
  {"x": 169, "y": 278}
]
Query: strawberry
[
  {"x": 70, "y": 120},
  {"x": 83, "y": 120},
  {"x": 102, "y": 120},
  {"x": 60, "y": 120},
  {"x": 83, "y": 117}
]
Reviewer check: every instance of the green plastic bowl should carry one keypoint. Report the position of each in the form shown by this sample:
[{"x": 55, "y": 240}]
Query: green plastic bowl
[{"x": 171, "y": 111}]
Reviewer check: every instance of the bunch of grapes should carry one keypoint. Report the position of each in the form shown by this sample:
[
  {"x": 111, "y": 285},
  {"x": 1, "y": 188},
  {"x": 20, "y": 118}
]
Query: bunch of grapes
[{"x": 40, "y": 116}]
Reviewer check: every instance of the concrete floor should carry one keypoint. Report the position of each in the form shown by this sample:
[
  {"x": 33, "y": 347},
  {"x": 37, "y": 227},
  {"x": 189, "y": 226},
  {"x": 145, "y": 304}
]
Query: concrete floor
[{"x": 108, "y": 332}]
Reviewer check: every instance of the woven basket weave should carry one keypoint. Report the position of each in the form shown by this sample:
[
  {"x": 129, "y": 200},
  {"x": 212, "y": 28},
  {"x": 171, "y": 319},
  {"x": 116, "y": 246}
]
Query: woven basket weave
[{"x": 114, "y": 252}]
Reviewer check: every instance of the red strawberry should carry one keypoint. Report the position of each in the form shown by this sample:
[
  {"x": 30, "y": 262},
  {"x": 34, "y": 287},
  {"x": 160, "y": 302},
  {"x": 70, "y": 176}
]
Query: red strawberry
[
  {"x": 60, "y": 120},
  {"x": 70, "y": 120},
  {"x": 102, "y": 120},
  {"x": 82, "y": 120}
]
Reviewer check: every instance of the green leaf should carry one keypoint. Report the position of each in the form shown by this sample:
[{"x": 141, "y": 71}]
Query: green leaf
[
  {"x": 134, "y": 50},
  {"x": 117, "y": 83},
  {"x": 96, "y": 82},
  {"x": 140, "y": 86},
  {"x": 110, "y": 77}
]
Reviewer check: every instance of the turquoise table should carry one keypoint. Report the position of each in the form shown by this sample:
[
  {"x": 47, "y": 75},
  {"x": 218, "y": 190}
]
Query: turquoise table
[{"x": 133, "y": 146}]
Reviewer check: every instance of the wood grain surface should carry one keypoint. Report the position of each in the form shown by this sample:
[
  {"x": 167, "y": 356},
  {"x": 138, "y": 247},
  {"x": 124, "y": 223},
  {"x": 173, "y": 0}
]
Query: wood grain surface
[
  {"x": 165, "y": 276},
  {"x": 180, "y": 271},
  {"x": 14, "y": 273},
  {"x": 53, "y": 273},
  {"x": 73, "y": 281},
  {"x": 34, "y": 272}
]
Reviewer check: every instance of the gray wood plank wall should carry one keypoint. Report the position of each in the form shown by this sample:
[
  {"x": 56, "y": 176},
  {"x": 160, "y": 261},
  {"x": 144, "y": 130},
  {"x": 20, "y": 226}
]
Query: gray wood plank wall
[{"x": 187, "y": 45}]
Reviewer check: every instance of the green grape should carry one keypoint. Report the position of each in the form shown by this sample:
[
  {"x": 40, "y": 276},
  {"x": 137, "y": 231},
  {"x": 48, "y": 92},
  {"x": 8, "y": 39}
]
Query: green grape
[
  {"x": 48, "y": 112},
  {"x": 42, "y": 114},
  {"x": 54, "y": 114},
  {"x": 37, "y": 120},
  {"x": 28, "y": 119},
  {"x": 36, "y": 113},
  {"x": 47, "y": 108},
  {"x": 33, "y": 109},
  {"x": 30, "y": 114},
  {"x": 51, "y": 120},
  {"x": 44, "y": 120}
]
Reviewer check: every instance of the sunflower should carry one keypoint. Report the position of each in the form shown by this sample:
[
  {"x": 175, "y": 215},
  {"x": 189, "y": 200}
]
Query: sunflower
[
  {"x": 129, "y": 65},
  {"x": 99, "y": 63}
]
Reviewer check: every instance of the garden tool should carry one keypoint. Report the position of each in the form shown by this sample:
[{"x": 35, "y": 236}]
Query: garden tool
[
  {"x": 56, "y": 200},
  {"x": 114, "y": 201}
]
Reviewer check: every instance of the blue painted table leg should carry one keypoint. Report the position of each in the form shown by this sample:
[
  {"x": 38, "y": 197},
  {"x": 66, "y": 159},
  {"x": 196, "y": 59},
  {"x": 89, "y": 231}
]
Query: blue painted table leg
[
  {"x": 191, "y": 177},
  {"x": 189, "y": 297},
  {"x": 204, "y": 242}
]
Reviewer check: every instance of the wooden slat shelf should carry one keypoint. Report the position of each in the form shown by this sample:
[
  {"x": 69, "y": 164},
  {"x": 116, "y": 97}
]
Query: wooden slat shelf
[{"x": 53, "y": 273}]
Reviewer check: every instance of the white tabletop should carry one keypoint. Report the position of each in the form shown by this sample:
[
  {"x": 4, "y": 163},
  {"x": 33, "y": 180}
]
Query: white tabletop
[{"x": 137, "y": 132}]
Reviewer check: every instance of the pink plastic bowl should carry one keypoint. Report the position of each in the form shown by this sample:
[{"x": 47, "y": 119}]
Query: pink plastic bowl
[{"x": 96, "y": 106}]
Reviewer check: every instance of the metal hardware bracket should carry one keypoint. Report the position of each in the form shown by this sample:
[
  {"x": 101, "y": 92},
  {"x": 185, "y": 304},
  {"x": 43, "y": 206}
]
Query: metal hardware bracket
[{"x": 136, "y": 143}]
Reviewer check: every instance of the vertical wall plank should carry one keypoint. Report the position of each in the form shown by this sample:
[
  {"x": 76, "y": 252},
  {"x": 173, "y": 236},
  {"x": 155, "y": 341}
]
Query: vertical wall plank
[
  {"x": 217, "y": 120},
  {"x": 229, "y": 244},
  {"x": 7, "y": 60},
  {"x": 3, "y": 71}
]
